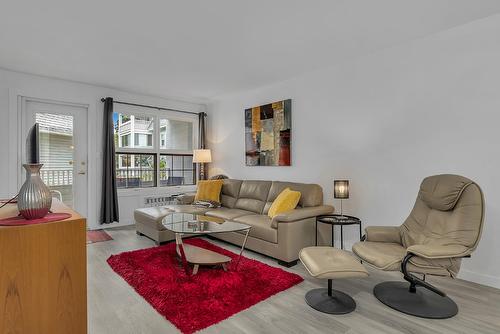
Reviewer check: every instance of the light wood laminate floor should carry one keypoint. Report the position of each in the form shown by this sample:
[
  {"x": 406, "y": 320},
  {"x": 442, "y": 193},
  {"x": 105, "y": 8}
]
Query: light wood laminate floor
[{"x": 114, "y": 307}]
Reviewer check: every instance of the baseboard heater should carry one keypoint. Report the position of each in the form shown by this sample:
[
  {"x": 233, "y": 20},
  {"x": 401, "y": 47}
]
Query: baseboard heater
[{"x": 161, "y": 200}]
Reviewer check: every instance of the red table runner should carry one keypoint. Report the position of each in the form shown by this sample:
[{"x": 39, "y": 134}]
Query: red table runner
[{"x": 19, "y": 220}]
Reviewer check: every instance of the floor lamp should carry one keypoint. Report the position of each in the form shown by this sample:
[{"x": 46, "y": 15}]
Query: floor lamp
[{"x": 202, "y": 157}]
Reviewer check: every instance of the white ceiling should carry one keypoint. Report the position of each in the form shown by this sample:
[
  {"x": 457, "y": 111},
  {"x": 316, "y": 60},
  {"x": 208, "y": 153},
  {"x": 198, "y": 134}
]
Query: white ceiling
[{"x": 202, "y": 49}]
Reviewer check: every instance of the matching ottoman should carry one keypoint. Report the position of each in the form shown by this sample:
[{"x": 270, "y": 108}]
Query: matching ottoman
[
  {"x": 148, "y": 221},
  {"x": 331, "y": 263}
]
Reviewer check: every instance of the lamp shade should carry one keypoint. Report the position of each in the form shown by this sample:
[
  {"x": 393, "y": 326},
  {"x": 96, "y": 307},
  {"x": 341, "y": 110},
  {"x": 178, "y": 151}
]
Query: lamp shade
[
  {"x": 202, "y": 156},
  {"x": 341, "y": 189}
]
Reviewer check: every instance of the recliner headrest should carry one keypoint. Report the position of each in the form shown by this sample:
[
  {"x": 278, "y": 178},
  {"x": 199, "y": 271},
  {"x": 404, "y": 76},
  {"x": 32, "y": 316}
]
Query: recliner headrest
[{"x": 441, "y": 192}]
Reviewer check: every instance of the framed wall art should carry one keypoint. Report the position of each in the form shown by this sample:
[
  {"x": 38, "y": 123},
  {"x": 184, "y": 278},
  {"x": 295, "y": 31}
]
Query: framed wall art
[{"x": 268, "y": 133}]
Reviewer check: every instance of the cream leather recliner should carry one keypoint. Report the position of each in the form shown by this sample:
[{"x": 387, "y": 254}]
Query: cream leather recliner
[{"x": 444, "y": 226}]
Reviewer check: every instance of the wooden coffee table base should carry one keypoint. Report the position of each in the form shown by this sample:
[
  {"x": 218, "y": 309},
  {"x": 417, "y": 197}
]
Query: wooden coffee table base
[
  {"x": 197, "y": 256},
  {"x": 202, "y": 257}
]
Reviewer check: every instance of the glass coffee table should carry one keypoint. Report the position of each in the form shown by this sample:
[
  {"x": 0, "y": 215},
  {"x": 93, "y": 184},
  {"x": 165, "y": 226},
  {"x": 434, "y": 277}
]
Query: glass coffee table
[{"x": 191, "y": 224}]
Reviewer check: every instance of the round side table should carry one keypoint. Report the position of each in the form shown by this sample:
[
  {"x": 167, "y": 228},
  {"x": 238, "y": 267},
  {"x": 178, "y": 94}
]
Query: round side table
[{"x": 338, "y": 220}]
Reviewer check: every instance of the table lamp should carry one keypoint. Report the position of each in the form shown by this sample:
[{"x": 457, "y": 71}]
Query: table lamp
[
  {"x": 341, "y": 191},
  {"x": 202, "y": 156}
]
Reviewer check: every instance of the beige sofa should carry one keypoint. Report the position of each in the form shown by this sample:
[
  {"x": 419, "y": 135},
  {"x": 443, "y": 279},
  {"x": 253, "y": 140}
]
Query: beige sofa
[{"x": 248, "y": 202}]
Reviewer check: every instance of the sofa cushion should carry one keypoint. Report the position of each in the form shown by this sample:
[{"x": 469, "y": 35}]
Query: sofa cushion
[
  {"x": 152, "y": 216},
  {"x": 261, "y": 227},
  {"x": 253, "y": 196},
  {"x": 230, "y": 192},
  {"x": 227, "y": 214},
  {"x": 310, "y": 194},
  {"x": 286, "y": 201},
  {"x": 208, "y": 190}
]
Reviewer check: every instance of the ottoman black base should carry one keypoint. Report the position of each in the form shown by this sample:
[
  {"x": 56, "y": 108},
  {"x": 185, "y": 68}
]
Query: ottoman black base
[{"x": 336, "y": 303}]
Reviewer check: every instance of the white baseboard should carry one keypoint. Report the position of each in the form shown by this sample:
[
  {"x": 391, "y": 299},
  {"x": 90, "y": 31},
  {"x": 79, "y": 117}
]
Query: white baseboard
[
  {"x": 488, "y": 280},
  {"x": 120, "y": 224}
]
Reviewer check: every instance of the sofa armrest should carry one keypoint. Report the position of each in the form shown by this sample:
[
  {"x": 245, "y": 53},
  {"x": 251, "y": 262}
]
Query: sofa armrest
[
  {"x": 301, "y": 213},
  {"x": 187, "y": 198},
  {"x": 438, "y": 251},
  {"x": 383, "y": 234}
]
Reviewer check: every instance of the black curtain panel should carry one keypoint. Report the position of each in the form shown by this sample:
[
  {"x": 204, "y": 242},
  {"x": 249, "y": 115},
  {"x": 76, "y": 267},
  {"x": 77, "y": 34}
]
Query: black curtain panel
[
  {"x": 201, "y": 137},
  {"x": 109, "y": 205},
  {"x": 201, "y": 126}
]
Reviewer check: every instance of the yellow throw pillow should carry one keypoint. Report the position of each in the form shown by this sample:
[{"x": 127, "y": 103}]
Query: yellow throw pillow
[
  {"x": 287, "y": 200},
  {"x": 209, "y": 190}
]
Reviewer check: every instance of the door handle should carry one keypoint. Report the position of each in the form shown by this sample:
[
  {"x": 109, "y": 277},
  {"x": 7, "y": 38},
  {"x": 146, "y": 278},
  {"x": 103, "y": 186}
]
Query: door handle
[{"x": 82, "y": 172}]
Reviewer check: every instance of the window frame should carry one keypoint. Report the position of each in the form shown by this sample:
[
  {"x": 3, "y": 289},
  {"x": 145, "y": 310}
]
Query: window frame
[
  {"x": 183, "y": 170},
  {"x": 157, "y": 115},
  {"x": 193, "y": 136},
  {"x": 130, "y": 166}
]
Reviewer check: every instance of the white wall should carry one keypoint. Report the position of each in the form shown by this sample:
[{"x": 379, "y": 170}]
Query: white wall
[
  {"x": 13, "y": 84},
  {"x": 385, "y": 122}
]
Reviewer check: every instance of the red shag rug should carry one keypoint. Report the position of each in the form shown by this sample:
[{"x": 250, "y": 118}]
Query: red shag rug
[
  {"x": 94, "y": 236},
  {"x": 210, "y": 296}
]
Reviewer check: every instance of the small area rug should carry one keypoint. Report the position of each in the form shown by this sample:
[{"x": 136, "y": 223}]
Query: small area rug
[
  {"x": 97, "y": 236},
  {"x": 210, "y": 296}
]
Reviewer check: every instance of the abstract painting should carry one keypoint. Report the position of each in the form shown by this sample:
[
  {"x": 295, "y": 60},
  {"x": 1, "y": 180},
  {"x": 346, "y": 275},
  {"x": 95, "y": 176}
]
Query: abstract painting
[{"x": 267, "y": 134}]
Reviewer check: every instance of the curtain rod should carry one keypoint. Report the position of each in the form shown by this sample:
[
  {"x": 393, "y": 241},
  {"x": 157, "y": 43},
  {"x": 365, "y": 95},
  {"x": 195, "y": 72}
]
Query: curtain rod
[{"x": 153, "y": 107}]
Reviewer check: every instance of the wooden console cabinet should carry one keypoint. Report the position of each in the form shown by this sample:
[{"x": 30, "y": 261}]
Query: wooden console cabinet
[{"x": 43, "y": 275}]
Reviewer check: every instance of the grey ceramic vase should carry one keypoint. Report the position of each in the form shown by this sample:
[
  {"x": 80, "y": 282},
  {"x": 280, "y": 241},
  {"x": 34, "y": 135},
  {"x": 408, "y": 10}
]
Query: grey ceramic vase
[{"x": 34, "y": 199}]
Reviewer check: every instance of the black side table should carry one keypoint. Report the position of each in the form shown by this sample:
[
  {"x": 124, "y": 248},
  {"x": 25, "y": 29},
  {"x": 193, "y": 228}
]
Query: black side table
[{"x": 334, "y": 220}]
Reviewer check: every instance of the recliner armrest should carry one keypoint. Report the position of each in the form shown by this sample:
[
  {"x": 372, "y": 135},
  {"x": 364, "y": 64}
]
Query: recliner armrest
[
  {"x": 383, "y": 234},
  {"x": 438, "y": 251},
  {"x": 301, "y": 213}
]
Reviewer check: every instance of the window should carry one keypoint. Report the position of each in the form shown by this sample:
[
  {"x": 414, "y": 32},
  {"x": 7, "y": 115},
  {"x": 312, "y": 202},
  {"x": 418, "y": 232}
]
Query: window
[
  {"x": 176, "y": 135},
  {"x": 152, "y": 149},
  {"x": 176, "y": 170},
  {"x": 140, "y": 129},
  {"x": 125, "y": 139},
  {"x": 135, "y": 171},
  {"x": 143, "y": 140}
]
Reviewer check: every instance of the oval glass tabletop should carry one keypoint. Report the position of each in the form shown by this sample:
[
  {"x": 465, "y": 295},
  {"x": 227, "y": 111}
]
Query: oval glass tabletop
[{"x": 188, "y": 223}]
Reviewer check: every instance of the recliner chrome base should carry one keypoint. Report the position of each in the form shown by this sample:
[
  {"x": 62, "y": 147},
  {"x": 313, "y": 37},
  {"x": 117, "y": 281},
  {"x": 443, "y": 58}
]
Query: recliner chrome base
[{"x": 422, "y": 303}]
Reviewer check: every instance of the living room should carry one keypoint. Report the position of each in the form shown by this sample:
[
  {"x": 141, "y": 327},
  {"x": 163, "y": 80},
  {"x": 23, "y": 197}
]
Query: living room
[{"x": 249, "y": 167}]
